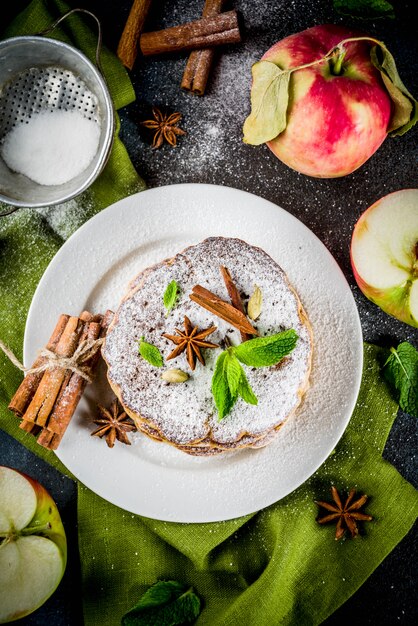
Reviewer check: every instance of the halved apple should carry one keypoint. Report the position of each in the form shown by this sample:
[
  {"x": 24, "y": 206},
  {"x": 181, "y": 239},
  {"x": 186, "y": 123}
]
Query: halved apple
[
  {"x": 33, "y": 546},
  {"x": 384, "y": 254}
]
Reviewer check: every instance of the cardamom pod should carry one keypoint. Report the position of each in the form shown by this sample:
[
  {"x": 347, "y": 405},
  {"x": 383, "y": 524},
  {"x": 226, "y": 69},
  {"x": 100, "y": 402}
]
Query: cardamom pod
[
  {"x": 255, "y": 304},
  {"x": 174, "y": 376}
]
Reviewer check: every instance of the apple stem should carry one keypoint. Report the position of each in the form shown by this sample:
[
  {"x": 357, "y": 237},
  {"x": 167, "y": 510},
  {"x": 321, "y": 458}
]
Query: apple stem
[
  {"x": 336, "y": 50},
  {"x": 336, "y": 62},
  {"x": 13, "y": 534},
  {"x": 350, "y": 39},
  {"x": 30, "y": 530}
]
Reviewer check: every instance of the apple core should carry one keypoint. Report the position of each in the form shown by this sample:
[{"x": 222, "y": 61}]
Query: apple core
[
  {"x": 384, "y": 254},
  {"x": 32, "y": 545}
]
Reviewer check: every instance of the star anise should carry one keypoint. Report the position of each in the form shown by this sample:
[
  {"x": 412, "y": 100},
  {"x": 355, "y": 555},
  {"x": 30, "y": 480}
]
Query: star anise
[
  {"x": 165, "y": 127},
  {"x": 113, "y": 424},
  {"x": 346, "y": 515},
  {"x": 191, "y": 340}
]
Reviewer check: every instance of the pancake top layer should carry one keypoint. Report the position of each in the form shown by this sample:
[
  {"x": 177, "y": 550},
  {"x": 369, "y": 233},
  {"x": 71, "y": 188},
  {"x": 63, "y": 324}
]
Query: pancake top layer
[{"x": 186, "y": 412}]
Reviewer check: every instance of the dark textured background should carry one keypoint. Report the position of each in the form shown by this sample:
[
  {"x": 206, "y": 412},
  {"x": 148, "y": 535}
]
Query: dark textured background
[{"x": 212, "y": 152}]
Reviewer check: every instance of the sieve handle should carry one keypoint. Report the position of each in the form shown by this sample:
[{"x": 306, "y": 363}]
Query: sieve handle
[
  {"x": 99, "y": 31},
  {"x": 8, "y": 210}
]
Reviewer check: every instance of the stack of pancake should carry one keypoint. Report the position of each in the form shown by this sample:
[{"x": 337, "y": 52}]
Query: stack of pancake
[{"x": 184, "y": 415}]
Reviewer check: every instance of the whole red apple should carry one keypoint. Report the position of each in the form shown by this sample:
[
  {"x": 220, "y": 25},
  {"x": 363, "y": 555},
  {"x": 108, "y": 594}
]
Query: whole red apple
[{"x": 337, "y": 115}]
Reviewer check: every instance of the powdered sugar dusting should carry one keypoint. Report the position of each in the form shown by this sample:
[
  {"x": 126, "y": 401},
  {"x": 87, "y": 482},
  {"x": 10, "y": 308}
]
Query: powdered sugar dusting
[
  {"x": 64, "y": 219},
  {"x": 186, "y": 413}
]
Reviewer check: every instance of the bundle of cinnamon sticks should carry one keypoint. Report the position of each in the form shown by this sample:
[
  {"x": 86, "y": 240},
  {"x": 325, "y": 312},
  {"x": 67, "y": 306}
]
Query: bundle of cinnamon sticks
[
  {"x": 214, "y": 29},
  {"x": 46, "y": 400}
]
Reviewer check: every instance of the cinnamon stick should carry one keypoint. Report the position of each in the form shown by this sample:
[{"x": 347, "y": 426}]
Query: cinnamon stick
[
  {"x": 42, "y": 402},
  {"x": 199, "y": 63},
  {"x": 128, "y": 44},
  {"x": 222, "y": 309},
  {"x": 234, "y": 295},
  {"x": 207, "y": 32},
  {"x": 46, "y": 438},
  {"x": 69, "y": 397},
  {"x": 85, "y": 317},
  {"x": 26, "y": 390},
  {"x": 30, "y": 427}
]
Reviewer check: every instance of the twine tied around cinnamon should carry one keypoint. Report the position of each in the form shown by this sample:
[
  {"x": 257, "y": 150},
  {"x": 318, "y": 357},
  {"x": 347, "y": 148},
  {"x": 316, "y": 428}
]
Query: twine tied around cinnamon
[{"x": 74, "y": 363}]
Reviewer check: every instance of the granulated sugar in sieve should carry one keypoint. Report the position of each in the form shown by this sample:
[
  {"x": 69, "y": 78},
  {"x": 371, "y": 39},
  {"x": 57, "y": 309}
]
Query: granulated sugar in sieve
[{"x": 52, "y": 147}]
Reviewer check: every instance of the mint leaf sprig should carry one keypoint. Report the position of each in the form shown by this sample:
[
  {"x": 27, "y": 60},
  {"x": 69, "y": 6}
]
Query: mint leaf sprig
[
  {"x": 150, "y": 353},
  {"x": 170, "y": 296},
  {"x": 401, "y": 372},
  {"x": 229, "y": 381},
  {"x": 166, "y": 603}
]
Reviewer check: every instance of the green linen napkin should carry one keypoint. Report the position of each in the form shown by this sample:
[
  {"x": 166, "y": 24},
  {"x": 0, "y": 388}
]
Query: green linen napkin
[{"x": 274, "y": 567}]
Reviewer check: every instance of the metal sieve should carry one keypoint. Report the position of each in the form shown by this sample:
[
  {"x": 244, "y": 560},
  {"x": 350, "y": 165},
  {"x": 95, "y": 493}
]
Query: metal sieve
[{"x": 40, "y": 74}]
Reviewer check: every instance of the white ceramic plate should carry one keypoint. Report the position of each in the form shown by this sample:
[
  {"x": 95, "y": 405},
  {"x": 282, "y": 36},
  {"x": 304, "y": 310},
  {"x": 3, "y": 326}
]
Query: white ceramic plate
[{"x": 91, "y": 271}]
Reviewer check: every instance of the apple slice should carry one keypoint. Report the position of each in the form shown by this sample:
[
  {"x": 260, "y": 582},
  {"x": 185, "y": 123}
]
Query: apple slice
[
  {"x": 33, "y": 546},
  {"x": 384, "y": 254}
]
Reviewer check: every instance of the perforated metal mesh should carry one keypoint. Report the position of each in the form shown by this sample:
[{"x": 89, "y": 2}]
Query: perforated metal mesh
[
  {"x": 42, "y": 88},
  {"x": 40, "y": 75}
]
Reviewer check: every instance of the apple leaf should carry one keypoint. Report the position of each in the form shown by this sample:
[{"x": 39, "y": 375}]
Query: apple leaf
[
  {"x": 401, "y": 371},
  {"x": 167, "y": 603},
  {"x": 269, "y": 101},
  {"x": 365, "y": 9},
  {"x": 405, "y": 107}
]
